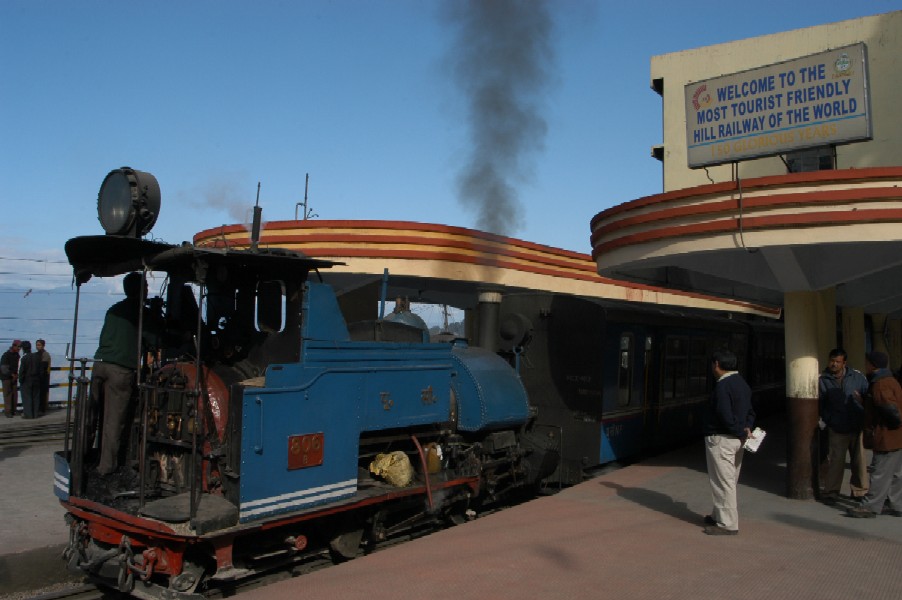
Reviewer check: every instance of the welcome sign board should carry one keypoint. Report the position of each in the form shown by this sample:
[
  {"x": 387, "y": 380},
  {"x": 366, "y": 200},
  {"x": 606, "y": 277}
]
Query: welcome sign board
[{"x": 815, "y": 100}]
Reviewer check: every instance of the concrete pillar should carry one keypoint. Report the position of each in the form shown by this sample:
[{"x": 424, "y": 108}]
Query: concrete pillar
[
  {"x": 825, "y": 302},
  {"x": 894, "y": 342},
  {"x": 802, "y": 313},
  {"x": 853, "y": 338}
]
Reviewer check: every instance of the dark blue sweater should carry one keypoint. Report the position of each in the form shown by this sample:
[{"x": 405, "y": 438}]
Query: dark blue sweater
[{"x": 730, "y": 407}]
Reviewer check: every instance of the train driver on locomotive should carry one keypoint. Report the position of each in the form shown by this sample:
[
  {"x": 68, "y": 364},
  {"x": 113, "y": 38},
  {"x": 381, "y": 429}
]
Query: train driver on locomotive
[{"x": 114, "y": 379}]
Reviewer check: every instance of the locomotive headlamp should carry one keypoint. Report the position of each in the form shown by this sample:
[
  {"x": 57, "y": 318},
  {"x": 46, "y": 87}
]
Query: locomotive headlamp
[{"x": 128, "y": 203}]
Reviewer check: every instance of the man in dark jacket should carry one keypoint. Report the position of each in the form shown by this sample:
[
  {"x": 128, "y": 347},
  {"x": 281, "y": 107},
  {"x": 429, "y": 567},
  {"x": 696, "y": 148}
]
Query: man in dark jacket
[
  {"x": 886, "y": 480},
  {"x": 841, "y": 390},
  {"x": 115, "y": 372},
  {"x": 30, "y": 381},
  {"x": 45, "y": 375},
  {"x": 728, "y": 425},
  {"x": 9, "y": 374}
]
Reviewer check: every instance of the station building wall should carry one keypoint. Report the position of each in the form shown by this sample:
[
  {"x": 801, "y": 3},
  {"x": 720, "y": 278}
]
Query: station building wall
[{"x": 882, "y": 35}]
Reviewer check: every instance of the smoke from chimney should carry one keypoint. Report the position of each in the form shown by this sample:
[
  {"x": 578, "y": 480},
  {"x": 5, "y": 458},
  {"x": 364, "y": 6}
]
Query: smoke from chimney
[
  {"x": 227, "y": 195},
  {"x": 502, "y": 58}
]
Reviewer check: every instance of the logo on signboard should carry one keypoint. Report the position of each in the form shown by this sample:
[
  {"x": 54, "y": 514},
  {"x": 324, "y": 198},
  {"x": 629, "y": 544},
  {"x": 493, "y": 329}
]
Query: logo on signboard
[
  {"x": 702, "y": 97},
  {"x": 843, "y": 66}
]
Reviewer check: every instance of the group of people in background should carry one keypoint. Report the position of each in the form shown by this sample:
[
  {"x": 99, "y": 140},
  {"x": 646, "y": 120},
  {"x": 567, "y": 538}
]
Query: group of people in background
[
  {"x": 858, "y": 411},
  {"x": 862, "y": 411},
  {"x": 28, "y": 374}
]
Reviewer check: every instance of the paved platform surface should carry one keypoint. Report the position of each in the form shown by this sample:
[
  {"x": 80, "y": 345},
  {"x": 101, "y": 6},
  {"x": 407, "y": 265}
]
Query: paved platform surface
[
  {"x": 32, "y": 515},
  {"x": 633, "y": 532},
  {"x": 636, "y": 533},
  {"x": 32, "y": 530}
]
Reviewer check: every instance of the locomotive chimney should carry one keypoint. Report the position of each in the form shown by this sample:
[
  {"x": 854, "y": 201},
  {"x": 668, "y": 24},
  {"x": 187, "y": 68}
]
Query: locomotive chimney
[{"x": 489, "y": 308}]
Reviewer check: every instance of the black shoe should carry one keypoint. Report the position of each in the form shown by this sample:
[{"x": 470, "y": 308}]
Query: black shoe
[
  {"x": 95, "y": 474},
  {"x": 891, "y": 512},
  {"x": 830, "y": 499},
  {"x": 715, "y": 530},
  {"x": 709, "y": 520},
  {"x": 860, "y": 512}
]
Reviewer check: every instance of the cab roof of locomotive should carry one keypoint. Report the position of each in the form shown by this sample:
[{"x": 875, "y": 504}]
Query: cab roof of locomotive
[{"x": 106, "y": 256}]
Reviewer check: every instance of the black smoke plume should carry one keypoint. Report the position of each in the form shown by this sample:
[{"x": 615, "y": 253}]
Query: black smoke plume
[{"x": 502, "y": 59}]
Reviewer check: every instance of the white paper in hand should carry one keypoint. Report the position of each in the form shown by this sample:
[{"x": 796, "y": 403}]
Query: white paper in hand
[{"x": 754, "y": 442}]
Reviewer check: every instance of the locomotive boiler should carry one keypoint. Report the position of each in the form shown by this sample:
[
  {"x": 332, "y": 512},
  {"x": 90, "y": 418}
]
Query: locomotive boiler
[{"x": 266, "y": 431}]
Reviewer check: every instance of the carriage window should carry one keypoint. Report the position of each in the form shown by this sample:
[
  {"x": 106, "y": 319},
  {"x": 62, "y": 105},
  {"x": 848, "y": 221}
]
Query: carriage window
[
  {"x": 739, "y": 343},
  {"x": 770, "y": 364},
  {"x": 676, "y": 368},
  {"x": 698, "y": 367},
  {"x": 270, "y": 308},
  {"x": 625, "y": 370}
]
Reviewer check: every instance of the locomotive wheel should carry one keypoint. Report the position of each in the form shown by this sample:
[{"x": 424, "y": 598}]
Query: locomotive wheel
[
  {"x": 344, "y": 546},
  {"x": 186, "y": 581},
  {"x": 459, "y": 512}
]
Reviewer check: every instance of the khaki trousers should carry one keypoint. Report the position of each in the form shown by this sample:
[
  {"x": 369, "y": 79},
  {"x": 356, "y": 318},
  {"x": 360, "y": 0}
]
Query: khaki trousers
[
  {"x": 723, "y": 454},
  {"x": 840, "y": 443}
]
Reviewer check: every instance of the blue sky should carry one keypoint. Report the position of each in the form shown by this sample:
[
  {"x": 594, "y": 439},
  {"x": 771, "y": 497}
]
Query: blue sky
[{"x": 213, "y": 96}]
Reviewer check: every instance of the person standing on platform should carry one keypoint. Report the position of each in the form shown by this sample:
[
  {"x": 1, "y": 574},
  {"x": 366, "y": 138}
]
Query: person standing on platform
[
  {"x": 45, "y": 375},
  {"x": 30, "y": 381},
  {"x": 9, "y": 375},
  {"x": 885, "y": 439},
  {"x": 841, "y": 390},
  {"x": 728, "y": 425}
]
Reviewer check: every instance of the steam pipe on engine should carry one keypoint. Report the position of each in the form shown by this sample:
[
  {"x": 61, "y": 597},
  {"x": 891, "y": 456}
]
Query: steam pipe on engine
[
  {"x": 425, "y": 472},
  {"x": 255, "y": 227},
  {"x": 384, "y": 293}
]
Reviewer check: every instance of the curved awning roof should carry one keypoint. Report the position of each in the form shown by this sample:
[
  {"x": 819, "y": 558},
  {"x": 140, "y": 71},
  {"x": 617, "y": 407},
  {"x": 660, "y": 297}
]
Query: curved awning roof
[
  {"x": 756, "y": 239},
  {"x": 450, "y": 265}
]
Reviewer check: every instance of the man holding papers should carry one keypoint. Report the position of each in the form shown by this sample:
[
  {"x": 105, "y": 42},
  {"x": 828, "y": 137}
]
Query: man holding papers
[{"x": 728, "y": 425}]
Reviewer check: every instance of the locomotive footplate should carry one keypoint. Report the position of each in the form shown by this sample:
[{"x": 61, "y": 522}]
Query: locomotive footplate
[{"x": 213, "y": 512}]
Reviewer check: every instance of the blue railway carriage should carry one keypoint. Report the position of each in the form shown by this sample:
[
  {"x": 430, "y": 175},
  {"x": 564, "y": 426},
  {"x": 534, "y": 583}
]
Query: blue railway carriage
[
  {"x": 611, "y": 382},
  {"x": 267, "y": 432}
]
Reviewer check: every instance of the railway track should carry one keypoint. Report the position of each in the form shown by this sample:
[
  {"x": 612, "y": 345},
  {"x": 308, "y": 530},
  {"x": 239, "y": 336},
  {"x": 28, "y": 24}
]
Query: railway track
[
  {"x": 32, "y": 433},
  {"x": 85, "y": 591},
  {"x": 89, "y": 591}
]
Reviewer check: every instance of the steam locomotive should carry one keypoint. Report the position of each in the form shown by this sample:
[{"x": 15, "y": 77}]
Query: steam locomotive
[{"x": 268, "y": 431}]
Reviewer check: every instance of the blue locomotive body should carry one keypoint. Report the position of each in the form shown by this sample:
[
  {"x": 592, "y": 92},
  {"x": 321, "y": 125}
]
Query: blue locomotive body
[
  {"x": 342, "y": 389},
  {"x": 262, "y": 417}
]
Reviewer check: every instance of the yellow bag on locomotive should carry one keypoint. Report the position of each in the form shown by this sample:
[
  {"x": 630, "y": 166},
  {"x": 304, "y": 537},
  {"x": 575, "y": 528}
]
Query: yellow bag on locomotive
[{"x": 394, "y": 467}]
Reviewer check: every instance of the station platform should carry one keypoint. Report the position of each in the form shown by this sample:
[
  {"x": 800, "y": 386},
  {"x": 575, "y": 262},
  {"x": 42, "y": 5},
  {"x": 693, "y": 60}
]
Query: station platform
[
  {"x": 636, "y": 532},
  {"x": 33, "y": 532},
  {"x": 630, "y": 532}
]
